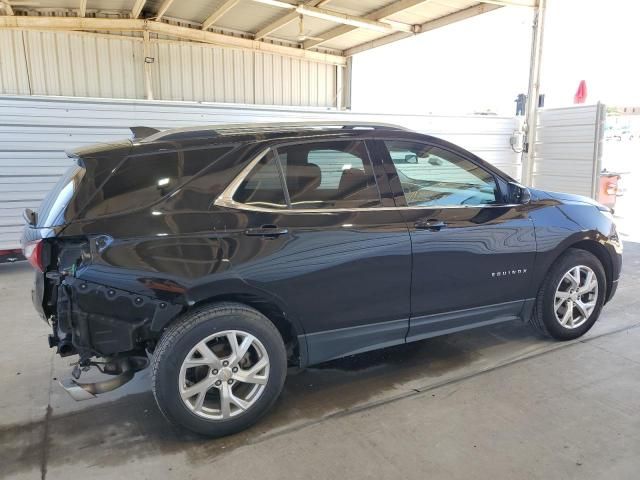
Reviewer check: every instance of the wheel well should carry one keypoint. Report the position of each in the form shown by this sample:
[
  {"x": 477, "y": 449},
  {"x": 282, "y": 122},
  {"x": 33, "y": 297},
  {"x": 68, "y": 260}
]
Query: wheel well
[
  {"x": 601, "y": 254},
  {"x": 274, "y": 314}
]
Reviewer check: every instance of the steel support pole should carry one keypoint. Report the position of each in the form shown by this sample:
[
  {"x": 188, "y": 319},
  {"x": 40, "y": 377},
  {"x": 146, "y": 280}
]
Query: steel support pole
[
  {"x": 347, "y": 77},
  {"x": 147, "y": 65},
  {"x": 531, "y": 117}
]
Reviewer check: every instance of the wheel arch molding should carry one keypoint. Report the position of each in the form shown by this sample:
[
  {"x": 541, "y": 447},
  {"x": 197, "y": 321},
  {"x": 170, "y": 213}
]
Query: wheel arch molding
[
  {"x": 272, "y": 307},
  {"x": 591, "y": 241}
]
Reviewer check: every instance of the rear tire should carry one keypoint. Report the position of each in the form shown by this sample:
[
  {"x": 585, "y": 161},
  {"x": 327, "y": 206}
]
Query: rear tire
[
  {"x": 571, "y": 297},
  {"x": 218, "y": 369}
]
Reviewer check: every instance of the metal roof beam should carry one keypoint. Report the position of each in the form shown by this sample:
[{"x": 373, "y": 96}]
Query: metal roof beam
[
  {"x": 379, "y": 14},
  {"x": 285, "y": 20},
  {"x": 513, "y": 3},
  {"x": 185, "y": 33},
  {"x": 7, "y": 7},
  {"x": 425, "y": 27},
  {"x": 163, "y": 8},
  {"x": 339, "y": 17},
  {"x": 220, "y": 11},
  {"x": 457, "y": 17},
  {"x": 352, "y": 20},
  {"x": 275, "y": 25},
  {"x": 137, "y": 8}
]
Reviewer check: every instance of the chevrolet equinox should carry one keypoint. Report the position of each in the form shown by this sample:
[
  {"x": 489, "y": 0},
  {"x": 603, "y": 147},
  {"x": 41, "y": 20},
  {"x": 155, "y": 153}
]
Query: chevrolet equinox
[{"x": 223, "y": 255}]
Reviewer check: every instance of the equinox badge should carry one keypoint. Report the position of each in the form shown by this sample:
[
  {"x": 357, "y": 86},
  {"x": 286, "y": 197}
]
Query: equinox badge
[{"x": 507, "y": 273}]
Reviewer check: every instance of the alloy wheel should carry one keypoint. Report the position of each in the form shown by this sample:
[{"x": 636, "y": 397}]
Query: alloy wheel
[
  {"x": 576, "y": 296},
  {"x": 224, "y": 375}
]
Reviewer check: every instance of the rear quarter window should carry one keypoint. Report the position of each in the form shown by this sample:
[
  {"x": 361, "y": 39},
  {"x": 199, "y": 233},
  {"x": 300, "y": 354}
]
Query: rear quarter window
[
  {"x": 143, "y": 180},
  {"x": 52, "y": 209}
]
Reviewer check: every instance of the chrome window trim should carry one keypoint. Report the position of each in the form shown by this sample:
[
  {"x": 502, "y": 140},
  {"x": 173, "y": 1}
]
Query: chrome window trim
[{"x": 225, "y": 199}]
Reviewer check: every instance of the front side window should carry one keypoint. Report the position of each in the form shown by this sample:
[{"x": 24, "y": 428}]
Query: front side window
[
  {"x": 335, "y": 174},
  {"x": 432, "y": 176}
]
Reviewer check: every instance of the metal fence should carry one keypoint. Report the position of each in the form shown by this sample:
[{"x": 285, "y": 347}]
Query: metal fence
[{"x": 567, "y": 152}]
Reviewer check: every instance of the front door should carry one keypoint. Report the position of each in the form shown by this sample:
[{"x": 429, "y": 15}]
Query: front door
[{"x": 472, "y": 252}]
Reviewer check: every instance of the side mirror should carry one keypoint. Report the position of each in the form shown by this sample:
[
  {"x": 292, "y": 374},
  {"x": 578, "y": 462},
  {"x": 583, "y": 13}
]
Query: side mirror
[
  {"x": 411, "y": 158},
  {"x": 519, "y": 193}
]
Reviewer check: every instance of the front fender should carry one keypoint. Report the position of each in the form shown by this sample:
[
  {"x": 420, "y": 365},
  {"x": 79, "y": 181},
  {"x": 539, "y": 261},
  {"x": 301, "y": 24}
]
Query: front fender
[{"x": 560, "y": 227}]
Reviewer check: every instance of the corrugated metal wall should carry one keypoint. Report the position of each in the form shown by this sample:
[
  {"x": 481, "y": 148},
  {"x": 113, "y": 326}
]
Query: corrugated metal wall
[
  {"x": 35, "y": 131},
  {"x": 100, "y": 66},
  {"x": 567, "y": 152}
]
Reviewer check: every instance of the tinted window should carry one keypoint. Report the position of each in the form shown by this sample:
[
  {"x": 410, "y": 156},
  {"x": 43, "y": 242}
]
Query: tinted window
[
  {"x": 263, "y": 186},
  {"x": 329, "y": 175},
  {"x": 51, "y": 210},
  {"x": 143, "y": 180},
  {"x": 432, "y": 176}
]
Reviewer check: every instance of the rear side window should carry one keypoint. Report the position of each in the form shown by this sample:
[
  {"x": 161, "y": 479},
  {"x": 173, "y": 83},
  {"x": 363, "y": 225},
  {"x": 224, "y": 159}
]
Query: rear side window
[
  {"x": 336, "y": 174},
  {"x": 332, "y": 163},
  {"x": 145, "y": 179},
  {"x": 263, "y": 186}
]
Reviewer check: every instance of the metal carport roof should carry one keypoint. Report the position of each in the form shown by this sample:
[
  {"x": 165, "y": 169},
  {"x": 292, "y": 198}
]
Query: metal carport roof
[{"x": 322, "y": 30}]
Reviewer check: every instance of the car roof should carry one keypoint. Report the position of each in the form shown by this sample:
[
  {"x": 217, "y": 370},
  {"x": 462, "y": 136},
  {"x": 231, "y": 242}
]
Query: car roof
[
  {"x": 268, "y": 133},
  {"x": 238, "y": 132},
  {"x": 263, "y": 130}
]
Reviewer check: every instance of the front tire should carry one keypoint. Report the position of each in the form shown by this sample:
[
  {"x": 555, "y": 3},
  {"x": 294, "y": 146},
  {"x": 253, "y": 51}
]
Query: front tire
[
  {"x": 571, "y": 297},
  {"x": 218, "y": 369}
]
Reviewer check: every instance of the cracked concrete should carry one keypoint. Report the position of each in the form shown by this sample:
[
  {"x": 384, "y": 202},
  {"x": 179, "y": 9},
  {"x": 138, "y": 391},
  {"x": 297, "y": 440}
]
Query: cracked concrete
[{"x": 497, "y": 402}]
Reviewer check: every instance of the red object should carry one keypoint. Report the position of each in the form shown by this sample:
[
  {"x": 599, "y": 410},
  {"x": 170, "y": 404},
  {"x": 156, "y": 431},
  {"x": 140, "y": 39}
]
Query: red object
[
  {"x": 11, "y": 255},
  {"x": 608, "y": 191},
  {"x": 581, "y": 93},
  {"x": 33, "y": 253}
]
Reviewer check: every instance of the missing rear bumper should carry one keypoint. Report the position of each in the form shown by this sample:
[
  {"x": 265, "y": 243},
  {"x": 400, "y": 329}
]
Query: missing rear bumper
[{"x": 98, "y": 320}]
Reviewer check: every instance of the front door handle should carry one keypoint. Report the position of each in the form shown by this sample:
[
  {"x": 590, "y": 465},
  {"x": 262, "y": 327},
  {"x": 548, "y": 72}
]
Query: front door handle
[
  {"x": 269, "y": 231},
  {"x": 433, "y": 225}
]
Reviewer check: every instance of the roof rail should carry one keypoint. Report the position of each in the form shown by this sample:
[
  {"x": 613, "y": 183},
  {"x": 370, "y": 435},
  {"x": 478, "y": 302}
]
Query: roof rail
[
  {"x": 372, "y": 125},
  {"x": 229, "y": 128},
  {"x": 304, "y": 124}
]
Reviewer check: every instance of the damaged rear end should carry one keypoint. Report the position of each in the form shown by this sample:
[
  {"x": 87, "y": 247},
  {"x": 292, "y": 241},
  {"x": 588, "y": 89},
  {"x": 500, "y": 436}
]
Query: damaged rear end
[{"x": 108, "y": 328}]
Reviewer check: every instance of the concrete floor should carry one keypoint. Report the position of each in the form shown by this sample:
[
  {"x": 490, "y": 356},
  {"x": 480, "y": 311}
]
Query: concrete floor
[{"x": 494, "y": 403}]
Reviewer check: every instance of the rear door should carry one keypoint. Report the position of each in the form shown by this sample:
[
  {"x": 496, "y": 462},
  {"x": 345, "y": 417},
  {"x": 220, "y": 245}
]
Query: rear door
[
  {"x": 472, "y": 252},
  {"x": 332, "y": 246}
]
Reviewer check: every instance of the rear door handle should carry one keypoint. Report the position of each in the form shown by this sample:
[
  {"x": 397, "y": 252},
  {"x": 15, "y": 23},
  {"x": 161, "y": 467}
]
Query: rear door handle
[
  {"x": 433, "y": 225},
  {"x": 269, "y": 231}
]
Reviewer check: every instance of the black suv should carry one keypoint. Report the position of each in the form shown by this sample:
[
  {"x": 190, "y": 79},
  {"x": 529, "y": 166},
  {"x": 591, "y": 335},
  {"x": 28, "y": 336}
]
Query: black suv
[{"x": 228, "y": 253}]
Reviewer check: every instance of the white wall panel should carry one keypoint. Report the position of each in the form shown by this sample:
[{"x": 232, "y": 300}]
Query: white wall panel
[
  {"x": 83, "y": 65},
  {"x": 14, "y": 79},
  {"x": 101, "y": 66},
  {"x": 568, "y": 149},
  {"x": 35, "y": 132}
]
